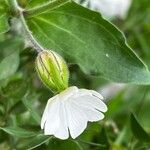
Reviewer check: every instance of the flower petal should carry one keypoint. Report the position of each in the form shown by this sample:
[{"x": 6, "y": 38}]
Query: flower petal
[
  {"x": 45, "y": 114},
  {"x": 91, "y": 113},
  {"x": 77, "y": 120},
  {"x": 88, "y": 99},
  {"x": 69, "y": 92},
  {"x": 55, "y": 117},
  {"x": 62, "y": 131},
  {"x": 98, "y": 95},
  {"x": 52, "y": 120}
]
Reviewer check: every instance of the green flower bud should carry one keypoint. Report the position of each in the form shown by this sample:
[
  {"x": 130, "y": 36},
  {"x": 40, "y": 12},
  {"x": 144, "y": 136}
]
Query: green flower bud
[{"x": 52, "y": 70}]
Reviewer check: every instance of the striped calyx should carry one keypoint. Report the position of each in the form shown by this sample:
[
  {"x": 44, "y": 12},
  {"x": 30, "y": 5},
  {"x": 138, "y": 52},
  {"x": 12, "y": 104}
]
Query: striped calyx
[{"x": 52, "y": 70}]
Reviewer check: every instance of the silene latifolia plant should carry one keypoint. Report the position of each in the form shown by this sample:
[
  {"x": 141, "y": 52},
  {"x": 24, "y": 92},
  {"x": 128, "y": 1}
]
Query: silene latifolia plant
[
  {"x": 71, "y": 108},
  {"x": 47, "y": 35}
]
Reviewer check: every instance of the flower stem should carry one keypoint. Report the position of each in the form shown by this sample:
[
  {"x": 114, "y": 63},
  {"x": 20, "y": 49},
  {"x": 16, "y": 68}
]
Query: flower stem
[
  {"x": 49, "y": 5},
  {"x": 13, "y": 6},
  {"x": 29, "y": 35}
]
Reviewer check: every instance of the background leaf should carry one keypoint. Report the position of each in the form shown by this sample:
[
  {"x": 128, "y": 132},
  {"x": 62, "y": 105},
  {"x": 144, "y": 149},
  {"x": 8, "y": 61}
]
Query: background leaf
[
  {"x": 4, "y": 26},
  {"x": 104, "y": 139},
  {"x": 29, "y": 105},
  {"x": 83, "y": 37},
  {"x": 34, "y": 142},
  {"x": 9, "y": 65},
  {"x": 19, "y": 132},
  {"x": 138, "y": 130},
  {"x": 56, "y": 144}
]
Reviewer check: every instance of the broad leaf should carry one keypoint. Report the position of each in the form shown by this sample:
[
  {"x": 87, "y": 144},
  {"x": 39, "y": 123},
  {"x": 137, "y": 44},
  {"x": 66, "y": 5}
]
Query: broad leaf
[
  {"x": 9, "y": 65},
  {"x": 83, "y": 37},
  {"x": 19, "y": 132},
  {"x": 138, "y": 130}
]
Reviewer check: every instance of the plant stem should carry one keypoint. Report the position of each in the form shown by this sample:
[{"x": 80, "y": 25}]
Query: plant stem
[
  {"x": 49, "y": 5},
  {"x": 91, "y": 143},
  {"x": 19, "y": 13},
  {"x": 29, "y": 35},
  {"x": 13, "y": 6}
]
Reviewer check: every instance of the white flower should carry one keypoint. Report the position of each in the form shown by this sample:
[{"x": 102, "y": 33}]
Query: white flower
[{"x": 70, "y": 111}]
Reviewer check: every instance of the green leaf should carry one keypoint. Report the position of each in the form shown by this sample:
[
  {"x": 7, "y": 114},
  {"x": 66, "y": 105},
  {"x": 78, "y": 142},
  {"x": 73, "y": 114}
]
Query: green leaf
[
  {"x": 4, "y": 26},
  {"x": 29, "y": 105},
  {"x": 104, "y": 139},
  {"x": 83, "y": 37},
  {"x": 34, "y": 142},
  {"x": 11, "y": 45},
  {"x": 9, "y": 65},
  {"x": 19, "y": 86},
  {"x": 56, "y": 144},
  {"x": 116, "y": 105},
  {"x": 138, "y": 130},
  {"x": 36, "y": 3},
  {"x": 19, "y": 132}
]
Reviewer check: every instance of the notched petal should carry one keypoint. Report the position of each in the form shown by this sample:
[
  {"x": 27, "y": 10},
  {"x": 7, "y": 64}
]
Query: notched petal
[{"x": 96, "y": 94}]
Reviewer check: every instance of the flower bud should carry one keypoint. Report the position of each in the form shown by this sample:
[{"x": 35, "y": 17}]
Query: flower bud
[{"x": 52, "y": 70}]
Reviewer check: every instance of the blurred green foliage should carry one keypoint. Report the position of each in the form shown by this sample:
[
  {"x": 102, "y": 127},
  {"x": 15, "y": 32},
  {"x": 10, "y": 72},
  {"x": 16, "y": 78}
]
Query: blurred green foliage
[
  {"x": 23, "y": 97},
  {"x": 137, "y": 28}
]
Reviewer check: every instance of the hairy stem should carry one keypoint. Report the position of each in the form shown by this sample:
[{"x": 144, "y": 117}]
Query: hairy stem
[
  {"x": 29, "y": 35},
  {"x": 19, "y": 13},
  {"x": 13, "y": 6}
]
